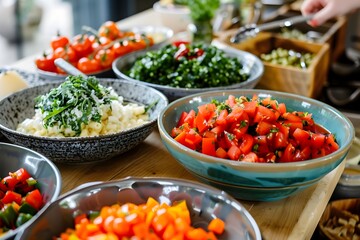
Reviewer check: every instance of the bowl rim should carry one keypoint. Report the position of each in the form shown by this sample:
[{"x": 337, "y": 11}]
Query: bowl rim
[
  {"x": 175, "y": 8},
  {"x": 219, "y": 194},
  {"x": 258, "y": 167},
  {"x": 228, "y": 51},
  {"x": 150, "y": 123},
  {"x": 54, "y": 197}
]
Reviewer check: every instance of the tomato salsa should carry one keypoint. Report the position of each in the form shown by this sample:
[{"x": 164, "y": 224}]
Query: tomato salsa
[
  {"x": 151, "y": 220},
  {"x": 253, "y": 130},
  {"x": 20, "y": 199}
]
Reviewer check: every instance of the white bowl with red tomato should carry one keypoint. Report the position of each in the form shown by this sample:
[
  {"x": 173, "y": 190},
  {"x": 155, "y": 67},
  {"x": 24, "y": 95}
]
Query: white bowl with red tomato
[
  {"x": 28, "y": 183},
  {"x": 93, "y": 51},
  {"x": 256, "y": 144}
]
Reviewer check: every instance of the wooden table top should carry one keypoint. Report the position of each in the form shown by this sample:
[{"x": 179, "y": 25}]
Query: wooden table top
[{"x": 295, "y": 217}]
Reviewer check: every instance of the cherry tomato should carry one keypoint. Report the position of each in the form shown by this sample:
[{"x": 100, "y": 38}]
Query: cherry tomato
[
  {"x": 88, "y": 65},
  {"x": 46, "y": 62},
  {"x": 59, "y": 41},
  {"x": 66, "y": 53},
  {"x": 121, "y": 48},
  {"x": 110, "y": 30},
  {"x": 179, "y": 42},
  {"x": 82, "y": 45},
  {"x": 105, "y": 57},
  {"x": 99, "y": 41}
]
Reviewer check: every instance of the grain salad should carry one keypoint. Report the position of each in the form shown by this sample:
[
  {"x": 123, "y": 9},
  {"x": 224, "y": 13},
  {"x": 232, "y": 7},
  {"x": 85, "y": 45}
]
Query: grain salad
[{"x": 82, "y": 107}]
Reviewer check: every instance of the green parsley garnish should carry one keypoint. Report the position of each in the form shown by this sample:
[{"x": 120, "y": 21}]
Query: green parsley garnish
[{"x": 75, "y": 102}]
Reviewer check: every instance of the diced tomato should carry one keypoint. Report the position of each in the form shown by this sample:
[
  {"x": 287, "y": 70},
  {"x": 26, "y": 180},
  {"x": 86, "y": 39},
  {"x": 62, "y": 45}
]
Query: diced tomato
[
  {"x": 289, "y": 154},
  {"x": 9, "y": 182},
  {"x": 239, "y": 129},
  {"x": 293, "y": 125},
  {"x": 34, "y": 199},
  {"x": 221, "y": 153},
  {"x": 234, "y": 153},
  {"x": 330, "y": 144},
  {"x": 280, "y": 140},
  {"x": 257, "y": 126},
  {"x": 207, "y": 110},
  {"x": 201, "y": 123},
  {"x": 266, "y": 113},
  {"x": 237, "y": 114},
  {"x": 11, "y": 196},
  {"x": 282, "y": 108},
  {"x": 291, "y": 117},
  {"x": 218, "y": 130},
  {"x": 209, "y": 134},
  {"x": 230, "y": 139},
  {"x": 250, "y": 108},
  {"x": 221, "y": 119},
  {"x": 190, "y": 118},
  {"x": 318, "y": 152},
  {"x": 303, "y": 154},
  {"x": 261, "y": 139},
  {"x": 247, "y": 142},
  {"x": 317, "y": 140},
  {"x": 181, "y": 137},
  {"x": 175, "y": 132},
  {"x": 231, "y": 101},
  {"x": 250, "y": 157},
  {"x": 263, "y": 127},
  {"x": 302, "y": 137},
  {"x": 208, "y": 146},
  {"x": 192, "y": 138}
]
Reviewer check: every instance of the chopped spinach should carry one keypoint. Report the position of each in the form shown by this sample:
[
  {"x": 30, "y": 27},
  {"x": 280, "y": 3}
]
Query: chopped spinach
[{"x": 201, "y": 66}]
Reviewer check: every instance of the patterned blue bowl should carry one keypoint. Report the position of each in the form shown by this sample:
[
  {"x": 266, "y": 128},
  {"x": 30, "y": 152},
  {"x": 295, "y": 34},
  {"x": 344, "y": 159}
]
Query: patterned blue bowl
[
  {"x": 258, "y": 181},
  {"x": 20, "y": 105}
]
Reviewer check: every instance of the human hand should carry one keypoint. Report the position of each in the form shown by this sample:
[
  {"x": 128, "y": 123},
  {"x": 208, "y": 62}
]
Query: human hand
[{"x": 327, "y": 9}]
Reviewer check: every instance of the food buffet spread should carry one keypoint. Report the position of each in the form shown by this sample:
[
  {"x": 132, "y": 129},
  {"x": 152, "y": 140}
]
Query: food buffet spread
[{"x": 154, "y": 146}]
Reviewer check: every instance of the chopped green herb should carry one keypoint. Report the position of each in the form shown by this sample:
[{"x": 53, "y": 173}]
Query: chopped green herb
[{"x": 73, "y": 103}]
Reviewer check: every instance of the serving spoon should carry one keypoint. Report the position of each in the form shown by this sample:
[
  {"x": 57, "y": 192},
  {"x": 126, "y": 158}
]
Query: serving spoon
[
  {"x": 67, "y": 67},
  {"x": 252, "y": 30}
]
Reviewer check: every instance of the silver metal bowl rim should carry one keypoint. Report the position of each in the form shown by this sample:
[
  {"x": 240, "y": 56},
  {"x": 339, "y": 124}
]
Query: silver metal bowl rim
[
  {"x": 11, "y": 233},
  {"x": 174, "y": 181}
]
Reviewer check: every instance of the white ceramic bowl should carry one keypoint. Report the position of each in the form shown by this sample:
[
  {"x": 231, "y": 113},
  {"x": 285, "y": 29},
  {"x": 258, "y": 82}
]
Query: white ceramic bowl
[{"x": 173, "y": 16}]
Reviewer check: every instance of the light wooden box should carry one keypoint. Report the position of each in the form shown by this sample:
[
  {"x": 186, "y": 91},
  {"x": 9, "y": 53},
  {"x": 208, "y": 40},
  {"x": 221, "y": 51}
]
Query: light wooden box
[
  {"x": 332, "y": 32},
  {"x": 306, "y": 82}
]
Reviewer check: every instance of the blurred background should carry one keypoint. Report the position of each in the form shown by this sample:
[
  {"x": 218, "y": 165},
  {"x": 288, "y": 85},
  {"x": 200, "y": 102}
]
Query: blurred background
[{"x": 26, "y": 26}]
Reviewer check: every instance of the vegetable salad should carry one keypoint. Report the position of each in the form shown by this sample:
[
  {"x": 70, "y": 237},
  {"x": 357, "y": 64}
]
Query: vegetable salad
[
  {"x": 20, "y": 199},
  {"x": 253, "y": 130},
  {"x": 82, "y": 107},
  {"x": 184, "y": 65}
]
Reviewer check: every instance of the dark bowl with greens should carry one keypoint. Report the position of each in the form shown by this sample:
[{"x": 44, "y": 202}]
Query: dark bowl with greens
[
  {"x": 63, "y": 107},
  {"x": 178, "y": 70}
]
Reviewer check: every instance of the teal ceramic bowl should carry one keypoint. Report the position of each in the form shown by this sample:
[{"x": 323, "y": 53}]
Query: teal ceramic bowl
[{"x": 258, "y": 181}]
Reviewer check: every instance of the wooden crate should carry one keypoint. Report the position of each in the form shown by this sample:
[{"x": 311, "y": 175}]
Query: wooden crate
[
  {"x": 306, "y": 82},
  {"x": 332, "y": 32}
]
